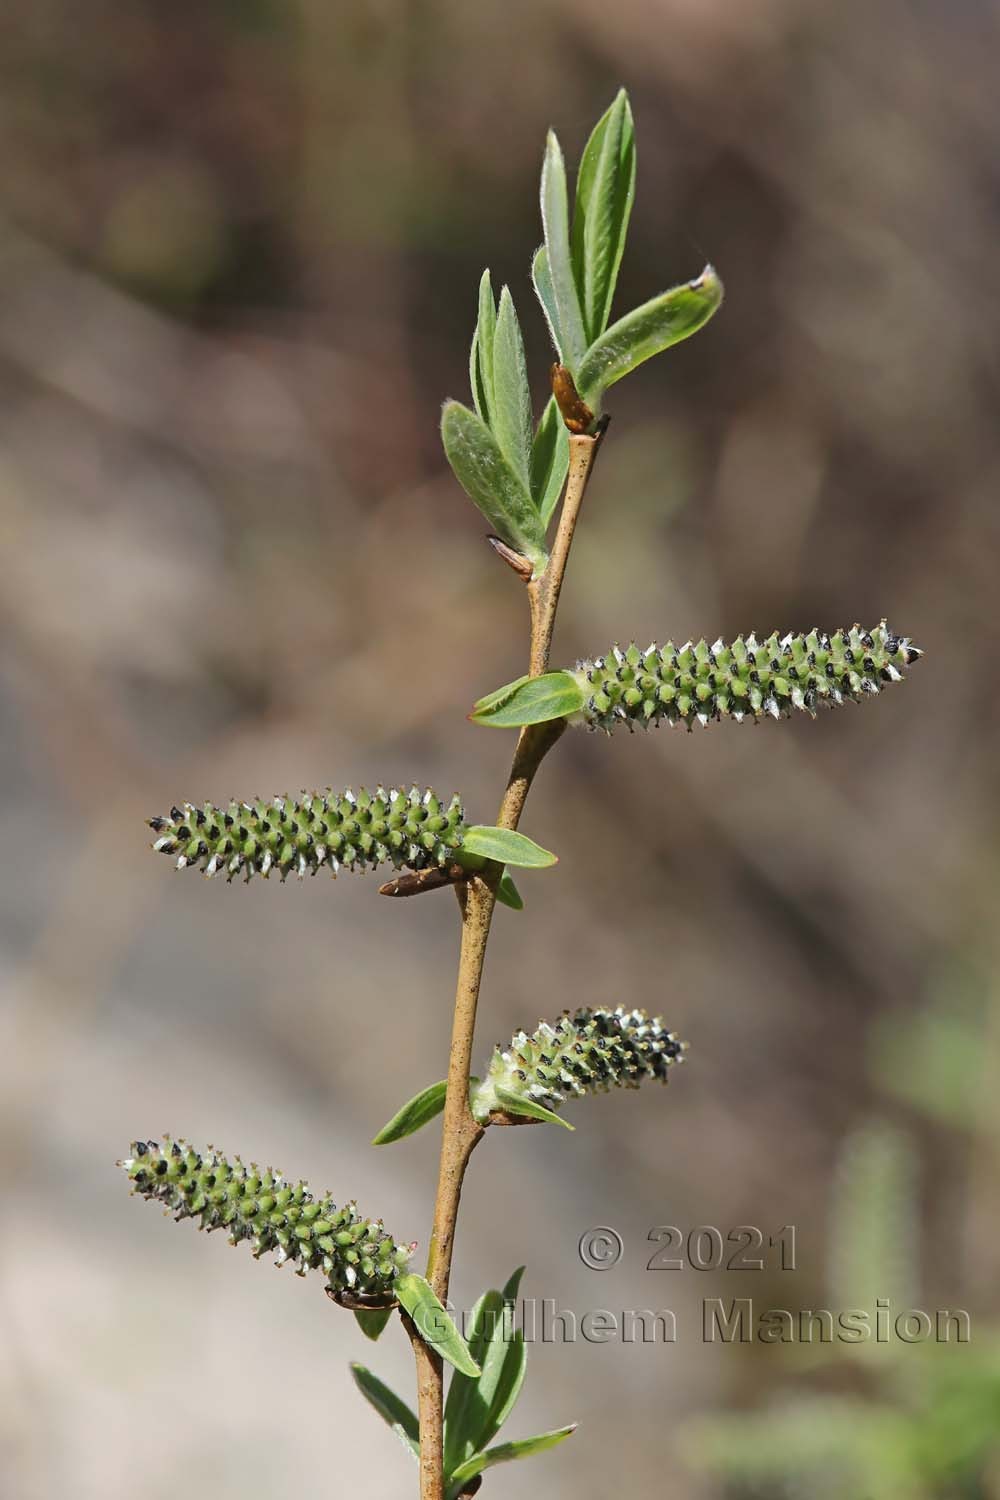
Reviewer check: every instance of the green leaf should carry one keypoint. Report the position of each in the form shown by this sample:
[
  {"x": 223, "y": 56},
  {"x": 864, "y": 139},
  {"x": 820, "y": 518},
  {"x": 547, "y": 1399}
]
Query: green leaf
[
  {"x": 414, "y": 1114},
  {"x": 508, "y": 893},
  {"x": 541, "y": 280},
  {"x": 549, "y": 460},
  {"x": 501, "y": 694},
  {"x": 389, "y": 1407},
  {"x": 504, "y": 1362},
  {"x": 463, "y": 1408},
  {"x": 646, "y": 331},
  {"x": 506, "y": 847},
  {"x": 530, "y": 700},
  {"x": 491, "y": 483},
  {"x": 476, "y": 1410},
  {"x": 517, "y": 1104},
  {"x": 510, "y": 416},
  {"x": 372, "y": 1321},
  {"x": 504, "y": 1452},
  {"x": 555, "y": 222},
  {"x": 432, "y": 1322},
  {"x": 605, "y": 188},
  {"x": 481, "y": 357}
]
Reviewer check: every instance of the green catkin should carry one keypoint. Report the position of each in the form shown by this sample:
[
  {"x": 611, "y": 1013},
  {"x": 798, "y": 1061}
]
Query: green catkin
[
  {"x": 750, "y": 678},
  {"x": 276, "y": 1217},
  {"x": 410, "y": 830},
  {"x": 591, "y": 1050}
]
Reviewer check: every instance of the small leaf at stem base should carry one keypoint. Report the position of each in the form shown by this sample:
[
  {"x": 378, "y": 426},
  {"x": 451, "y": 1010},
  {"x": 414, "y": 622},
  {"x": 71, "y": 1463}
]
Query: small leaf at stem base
[{"x": 506, "y": 847}]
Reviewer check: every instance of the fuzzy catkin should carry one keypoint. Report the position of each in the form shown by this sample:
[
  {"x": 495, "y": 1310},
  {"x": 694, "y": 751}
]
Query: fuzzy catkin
[
  {"x": 276, "y": 1217},
  {"x": 749, "y": 678},
  {"x": 591, "y": 1050},
  {"x": 410, "y": 830}
]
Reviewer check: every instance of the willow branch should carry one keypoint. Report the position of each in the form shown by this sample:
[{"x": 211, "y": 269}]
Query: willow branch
[{"x": 461, "y": 1133}]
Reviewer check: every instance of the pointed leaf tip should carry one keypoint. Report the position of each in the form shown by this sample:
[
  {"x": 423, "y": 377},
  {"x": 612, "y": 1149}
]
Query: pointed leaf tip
[
  {"x": 505, "y": 1452},
  {"x": 414, "y": 1114},
  {"x": 433, "y": 1324},
  {"x": 648, "y": 330}
]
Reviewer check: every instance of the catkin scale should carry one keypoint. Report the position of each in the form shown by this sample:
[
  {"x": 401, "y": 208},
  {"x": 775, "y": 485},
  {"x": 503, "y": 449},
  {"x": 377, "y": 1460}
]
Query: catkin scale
[
  {"x": 747, "y": 679},
  {"x": 411, "y": 830},
  {"x": 276, "y": 1217},
  {"x": 592, "y": 1050}
]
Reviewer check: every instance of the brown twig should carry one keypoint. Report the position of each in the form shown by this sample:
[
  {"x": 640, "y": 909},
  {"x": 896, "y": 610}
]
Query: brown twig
[
  {"x": 415, "y": 883},
  {"x": 461, "y": 1133}
]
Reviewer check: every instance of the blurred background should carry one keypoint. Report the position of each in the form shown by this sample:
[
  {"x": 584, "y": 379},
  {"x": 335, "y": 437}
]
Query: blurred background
[{"x": 239, "y": 250}]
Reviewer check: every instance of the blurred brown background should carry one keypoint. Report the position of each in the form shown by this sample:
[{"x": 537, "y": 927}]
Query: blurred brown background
[{"x": 239, "y": 249}]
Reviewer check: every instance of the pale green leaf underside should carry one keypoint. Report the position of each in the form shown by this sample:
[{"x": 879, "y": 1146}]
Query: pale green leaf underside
[
  {"x": 541, "y": 280},
  {"x": 605, "y": 188},
  {"x": 646, "y": 331},
  {"x": 555, "y": 222},
  {"x": 511, "y": 409},
  {"x": 389, "y": 1406},
  {"x": 415, "y": 1113},
  {"x": 488, "y": 479},
  {"x": 531, "y": 700},
  {"x": 506, "y": 847},
  {"x": 433, "y": 1324},
  {"x": 549, "y": 460},
  {"x": 505, "y": 1452}
]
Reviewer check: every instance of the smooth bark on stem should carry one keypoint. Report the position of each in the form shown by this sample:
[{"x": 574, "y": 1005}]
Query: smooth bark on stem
[{"x": 460, "y": 1133}]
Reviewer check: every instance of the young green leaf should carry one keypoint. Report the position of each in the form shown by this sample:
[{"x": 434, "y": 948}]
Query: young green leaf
[
  {"x": 549, "y": 460},
  {"x": 476, "y": 1410},
  {"x": 503, "y": 1362},
  {"x": 415, "y": 1113},
  {"x": 555, "y": 222},
  {"x": 389, "y": 1406},
  {"x": 464, "y": 1406},
  {"x": 510, "y": 411},
  {"x": 531, "y": 700},
  {"x": 508, "y": 893},
  {"x": 504, "y": 1452},
  {"x": 481, "y": 357},
  {"x": 488, "y": 479},
  {"x": 433, "y": 1324},
  {"x": 500, "y": 694},
  {"x": 605, "y": 187},
  {"x": 520, "y": 1104},
  {"x": 372, "y": 1321},
  {"x": 541, "y": 280},
  {"x": 646, "y": 331},
  {"x": 506, "y": 847}
]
